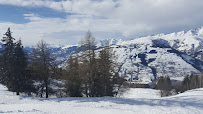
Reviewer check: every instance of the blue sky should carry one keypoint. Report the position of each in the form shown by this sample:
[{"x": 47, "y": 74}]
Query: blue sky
[
  {"x": 10, "y": 13},
  {"x": 65, "y": 22}
]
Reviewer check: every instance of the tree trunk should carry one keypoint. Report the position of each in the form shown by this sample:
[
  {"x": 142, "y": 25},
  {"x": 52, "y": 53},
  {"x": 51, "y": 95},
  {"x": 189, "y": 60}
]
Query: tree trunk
[
  {"x": 46, "y": 87},
  {"x": 41, "y": 94},
  {"x": 86, "y": 90},
  {"x": 17, "y": 93}
]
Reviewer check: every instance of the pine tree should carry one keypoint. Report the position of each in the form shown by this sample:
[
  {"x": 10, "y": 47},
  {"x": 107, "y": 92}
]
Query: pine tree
[
  {"x": 13, "y": 65},
  {"x": 105, "y": 72},
  {"x": 194, "y": 81},
  {"x": 164, "y": 83},
  {"x": 23, "y": 81},
  {"x": 160, "y": 83},
  {"x": 73, "y": 77},
  {"x": 168, "y": 83},
  {"x": 186, "y": 83},
  {"x": 7, "y": 60}
]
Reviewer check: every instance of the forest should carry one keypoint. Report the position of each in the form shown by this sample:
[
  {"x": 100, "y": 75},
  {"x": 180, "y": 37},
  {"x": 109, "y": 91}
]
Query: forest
[{"x": 88, "y": 73}]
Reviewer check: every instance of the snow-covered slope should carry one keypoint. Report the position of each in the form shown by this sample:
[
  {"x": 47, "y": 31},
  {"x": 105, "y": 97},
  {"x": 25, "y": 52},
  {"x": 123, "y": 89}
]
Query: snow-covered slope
[
  {"x": 147, "y": 58},
  {"x": 175, "y": 55},
  {"x": 137, "y": 102}
]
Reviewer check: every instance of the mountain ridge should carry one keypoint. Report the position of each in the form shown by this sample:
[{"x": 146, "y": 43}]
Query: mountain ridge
[{"x": 146, "y": 58}]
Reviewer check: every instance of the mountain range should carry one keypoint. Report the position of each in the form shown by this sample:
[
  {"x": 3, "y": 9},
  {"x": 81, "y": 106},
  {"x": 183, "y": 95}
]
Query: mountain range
[{"x": 144, "y": 59}]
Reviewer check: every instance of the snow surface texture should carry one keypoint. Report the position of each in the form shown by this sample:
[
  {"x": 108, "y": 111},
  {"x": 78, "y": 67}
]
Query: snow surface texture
[{"x": 135, "y": 101}]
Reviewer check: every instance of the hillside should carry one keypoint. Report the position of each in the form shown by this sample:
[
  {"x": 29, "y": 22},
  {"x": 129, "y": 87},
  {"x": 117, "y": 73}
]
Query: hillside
[
  {"x": 146, "y": 58},
  {"x": 175, "y": 55},
  {"x": 134, "y": 101}
]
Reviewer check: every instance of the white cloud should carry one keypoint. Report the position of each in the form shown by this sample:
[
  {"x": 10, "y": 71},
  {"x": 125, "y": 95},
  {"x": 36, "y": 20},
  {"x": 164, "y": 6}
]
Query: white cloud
[
  {"x": 57, "y": 30},
  {"x": 128, "y": 17}
]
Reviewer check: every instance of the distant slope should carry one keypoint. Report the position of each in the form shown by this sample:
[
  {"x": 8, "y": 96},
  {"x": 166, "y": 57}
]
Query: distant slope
[{"x": 173, "y": 55}]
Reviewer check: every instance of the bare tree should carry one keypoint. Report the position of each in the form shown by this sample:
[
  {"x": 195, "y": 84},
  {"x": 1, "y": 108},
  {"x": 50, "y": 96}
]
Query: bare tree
[
  {"x": 88, "y": 58},
  {"x": 42, "y": 65}
]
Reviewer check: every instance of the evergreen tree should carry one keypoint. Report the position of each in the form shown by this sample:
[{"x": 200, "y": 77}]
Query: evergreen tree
[
  {"x": 7, "y": 60},
  {"x": 23, "y": 81},
  {"x": 160, "y": 83},
  {"x": 186, "y": 83},
  {"x": 194, "y": 81},
  {"x": 13, "y": 65},
  {"x": 73, "y": 77},
  {"x": 168, "y": 83},
  {"x": 164, "y": 83},
  {"x": 106, "y": 72}
]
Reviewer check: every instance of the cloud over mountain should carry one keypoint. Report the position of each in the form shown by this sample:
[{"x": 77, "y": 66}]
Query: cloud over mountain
[{"x": 119, "y": 18}]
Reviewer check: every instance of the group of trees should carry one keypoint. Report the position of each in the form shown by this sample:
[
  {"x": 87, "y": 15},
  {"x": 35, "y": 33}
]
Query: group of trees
[
  {"x": 42, "y": 67},
  {"x": 23, "y": 73},
  {"x": 189, "y": 82},
  {"x": 164, "y": 85},
  {"x": 13, "y": 65},
  {"x": 92, "y": 73},
  {"x": 89, "y": 73}
]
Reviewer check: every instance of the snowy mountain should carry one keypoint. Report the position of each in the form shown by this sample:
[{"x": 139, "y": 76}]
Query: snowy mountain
[
  {"x": 175, "y": 55},
  {"x": 146, "y": 58},
  {"x": 150, "y": 57}
]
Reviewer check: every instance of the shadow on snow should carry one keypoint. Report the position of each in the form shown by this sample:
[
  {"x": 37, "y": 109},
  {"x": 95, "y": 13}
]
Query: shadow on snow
[{"x": 183, "y": 101}]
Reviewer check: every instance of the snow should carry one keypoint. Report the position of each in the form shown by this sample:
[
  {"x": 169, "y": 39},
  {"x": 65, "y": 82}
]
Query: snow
[
  {"x": 135, "y": 101},
  {"x": 68, "y": 46},
  {"x": 164, "y": 62},
  {"x": 135, "y": 93}
]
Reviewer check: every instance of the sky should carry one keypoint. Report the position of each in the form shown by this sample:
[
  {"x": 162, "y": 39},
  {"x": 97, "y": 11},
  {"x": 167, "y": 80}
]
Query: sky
[{"x": 65, "y": 22}]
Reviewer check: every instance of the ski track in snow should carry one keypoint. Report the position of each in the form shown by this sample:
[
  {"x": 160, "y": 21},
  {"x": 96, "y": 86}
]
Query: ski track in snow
[{"x": 134, "y": 101}]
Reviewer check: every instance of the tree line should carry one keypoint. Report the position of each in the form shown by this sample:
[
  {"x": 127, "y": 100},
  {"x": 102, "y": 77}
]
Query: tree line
[
  {"x": 90, "y": 73},
  {"x": 168, "y": 87}
]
